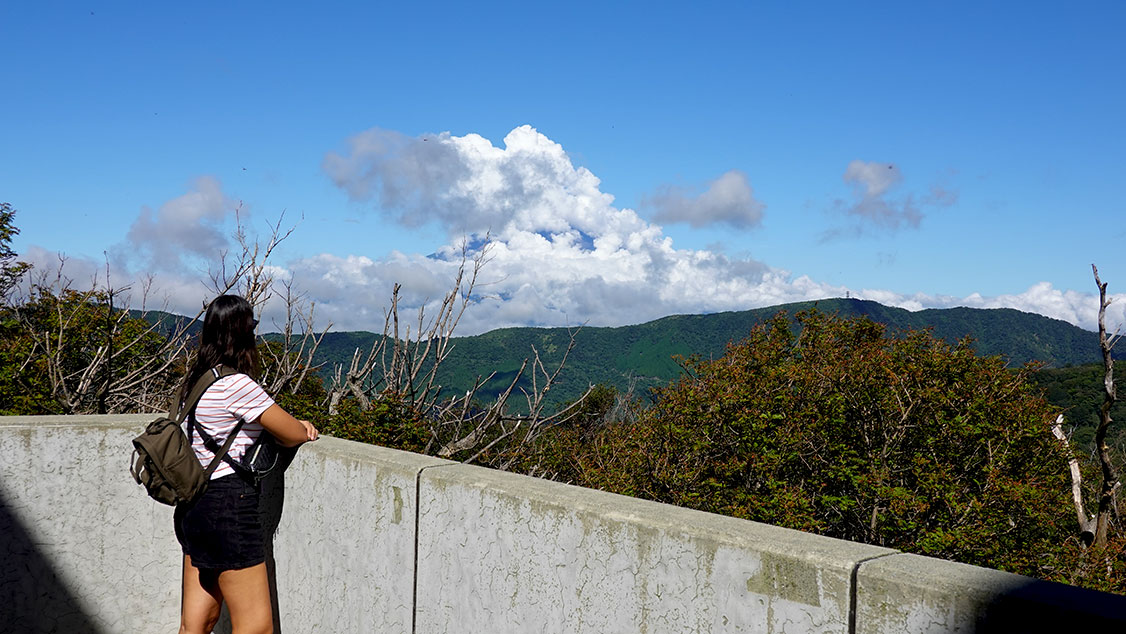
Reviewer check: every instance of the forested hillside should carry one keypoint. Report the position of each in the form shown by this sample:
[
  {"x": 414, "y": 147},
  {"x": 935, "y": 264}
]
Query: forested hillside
[
  {"x": 1078, "y": 391},
  {"x": 644, "y": 354}
]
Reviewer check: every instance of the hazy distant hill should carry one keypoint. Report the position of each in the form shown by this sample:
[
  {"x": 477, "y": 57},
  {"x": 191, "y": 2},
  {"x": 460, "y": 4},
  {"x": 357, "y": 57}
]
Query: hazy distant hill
[
  {"x": 645, "y": 351},
  {"x": 166, "y": 322}
]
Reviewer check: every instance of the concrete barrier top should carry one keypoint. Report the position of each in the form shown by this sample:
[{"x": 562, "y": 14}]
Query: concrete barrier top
[
  {"x": 656, "y": 516},
  {"x": 80, "y": 420}
]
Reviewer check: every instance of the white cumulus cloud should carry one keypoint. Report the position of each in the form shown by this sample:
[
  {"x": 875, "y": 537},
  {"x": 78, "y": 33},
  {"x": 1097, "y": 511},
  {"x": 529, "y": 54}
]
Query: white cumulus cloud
[
  {"x": 470, "y": 186},
  {"x": 560, "y": 252},
  {"x": 1080, "y": 309}
]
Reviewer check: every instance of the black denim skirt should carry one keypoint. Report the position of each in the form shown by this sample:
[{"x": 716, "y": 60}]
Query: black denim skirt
[{"x": 222, "y": 530}]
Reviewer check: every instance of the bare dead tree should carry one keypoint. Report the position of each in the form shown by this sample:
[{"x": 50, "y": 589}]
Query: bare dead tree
[
  {"x": 126, "y": 367},
  {"x": 1086, "y": 522},
  {"x": 356, "y": 381},
  {"x": 1094, "y": 530},
  {"x": 458, "y": 427},
  {"x": 248, "y": 271},
  {"x": 292, "y": 358},
  {"x": 1110, "y": 483},
  {"x": 96, "y": 355},
  {"x": 49, "y": 324},
  {"x": 405, "y": 362},
  {"x": 624, "y": 409}
]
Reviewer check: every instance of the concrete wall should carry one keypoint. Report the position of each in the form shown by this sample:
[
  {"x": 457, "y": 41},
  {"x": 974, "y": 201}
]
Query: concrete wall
[
  {"x": 377, "y": 540},
  {"x": 499, "y": 552},
  {"x": 79, "y": 550},
  {"x": 345, "y": 547}
]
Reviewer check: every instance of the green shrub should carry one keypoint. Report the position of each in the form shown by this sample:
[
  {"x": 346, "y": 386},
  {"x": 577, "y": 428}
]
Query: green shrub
[{"x": 835, "y": 428}]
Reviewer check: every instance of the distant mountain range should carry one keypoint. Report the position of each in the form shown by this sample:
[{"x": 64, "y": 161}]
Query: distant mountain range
[{"x": 643, "y": 354}]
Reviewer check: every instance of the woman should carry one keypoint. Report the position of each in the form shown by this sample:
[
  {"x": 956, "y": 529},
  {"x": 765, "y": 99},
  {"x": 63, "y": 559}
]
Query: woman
[{"x": 221, "y": 532}]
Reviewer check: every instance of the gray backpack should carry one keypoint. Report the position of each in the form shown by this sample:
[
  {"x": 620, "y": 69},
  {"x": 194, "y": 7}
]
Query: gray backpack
[{"x": 164, "y": 462}]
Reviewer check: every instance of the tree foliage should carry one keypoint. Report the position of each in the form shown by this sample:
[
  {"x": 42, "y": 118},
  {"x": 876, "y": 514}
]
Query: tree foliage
[
  {"x": 11, "y": 270},
  {"x": 68, "y": 352},
  {"x": 836, "y": 428},
  {"x": 1078, "y": 392}
]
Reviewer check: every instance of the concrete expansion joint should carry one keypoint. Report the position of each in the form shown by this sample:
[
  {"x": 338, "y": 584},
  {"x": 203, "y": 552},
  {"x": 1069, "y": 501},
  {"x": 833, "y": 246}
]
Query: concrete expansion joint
[
  {"x": 417, "y": 515},
  {"x": 852, "y": 585},
  {"x": 418, "y": 476}
]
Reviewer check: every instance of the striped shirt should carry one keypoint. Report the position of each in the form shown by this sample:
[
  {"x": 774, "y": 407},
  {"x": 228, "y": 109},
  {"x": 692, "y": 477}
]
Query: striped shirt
[{"x": 228, "y": 399}]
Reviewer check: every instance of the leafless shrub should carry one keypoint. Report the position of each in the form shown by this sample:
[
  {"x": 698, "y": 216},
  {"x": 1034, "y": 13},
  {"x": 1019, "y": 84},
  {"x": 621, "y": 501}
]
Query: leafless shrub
[{"x": 405, "y": 362}]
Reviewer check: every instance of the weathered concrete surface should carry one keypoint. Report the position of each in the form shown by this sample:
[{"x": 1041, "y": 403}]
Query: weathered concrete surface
[
  {"x": 911, "y": 593},
  {"x": 82, "y": 547},
  {"x": 345, "y": 545},
  {"x": 499, "y": 552}
]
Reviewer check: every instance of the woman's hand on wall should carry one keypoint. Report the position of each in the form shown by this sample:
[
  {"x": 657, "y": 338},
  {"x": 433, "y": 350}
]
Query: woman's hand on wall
[{"x": 311, "y": 432}]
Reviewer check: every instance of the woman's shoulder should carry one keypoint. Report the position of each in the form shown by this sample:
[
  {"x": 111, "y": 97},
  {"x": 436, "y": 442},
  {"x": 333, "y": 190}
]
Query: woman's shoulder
[
  {"x": 238, "y": 380},
  {"x": 233, "y": 384},
  {"x": 238, "y": 391}
]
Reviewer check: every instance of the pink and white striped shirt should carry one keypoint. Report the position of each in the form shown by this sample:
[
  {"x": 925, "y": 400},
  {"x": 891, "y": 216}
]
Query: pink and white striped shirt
[{"x": 228, "y": 399}]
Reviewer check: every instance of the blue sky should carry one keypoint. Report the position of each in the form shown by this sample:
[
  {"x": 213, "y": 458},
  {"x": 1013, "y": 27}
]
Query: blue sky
[{"x": 660, "y": 157}]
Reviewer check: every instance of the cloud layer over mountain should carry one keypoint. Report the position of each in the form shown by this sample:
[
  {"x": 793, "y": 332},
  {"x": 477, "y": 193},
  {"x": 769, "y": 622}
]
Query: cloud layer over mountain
[
  {"x": 556, "y": 249},
  {"x": 563, "y": 254},
  {"x": 560, "y": 252}
]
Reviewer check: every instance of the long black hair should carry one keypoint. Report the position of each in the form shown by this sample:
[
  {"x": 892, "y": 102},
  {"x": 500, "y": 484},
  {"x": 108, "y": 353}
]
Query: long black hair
[{"x": 227, "y": 339}]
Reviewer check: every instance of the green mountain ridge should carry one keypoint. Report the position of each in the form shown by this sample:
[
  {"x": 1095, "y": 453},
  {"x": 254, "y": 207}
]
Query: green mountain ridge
[{"x": 644, "y": 354}]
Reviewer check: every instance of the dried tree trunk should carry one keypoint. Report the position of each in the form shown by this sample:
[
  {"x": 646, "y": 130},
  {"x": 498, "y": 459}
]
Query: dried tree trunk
[
  {"x": 1086, "y": 522},
  {"x": 1110, "y": 483}
]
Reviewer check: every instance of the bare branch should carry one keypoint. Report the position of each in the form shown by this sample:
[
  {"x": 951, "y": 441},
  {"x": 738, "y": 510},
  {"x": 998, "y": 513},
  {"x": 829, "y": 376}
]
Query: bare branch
[
  {"x": 1110, "y": 482},
  {"x": 291, "y": 359},
  {"x": 406, "y": 362},
  {"x": 95, "y": 357},
  {"x": 249, "y": 270}
]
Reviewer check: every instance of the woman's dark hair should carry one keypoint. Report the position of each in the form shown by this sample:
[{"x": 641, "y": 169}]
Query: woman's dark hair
[{"x": 227, "y": 339}]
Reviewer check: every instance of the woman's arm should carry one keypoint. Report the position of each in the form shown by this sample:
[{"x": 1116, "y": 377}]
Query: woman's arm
[{"x": 288, "y": 431}]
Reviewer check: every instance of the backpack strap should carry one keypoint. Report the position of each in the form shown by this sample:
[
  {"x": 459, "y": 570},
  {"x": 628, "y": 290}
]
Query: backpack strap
[
  {"x": 222, "y": 453},
  {"x": 181, "y": 408},
  {"x": 209, "y": 441},
  {"x": 213, "y": 445}
]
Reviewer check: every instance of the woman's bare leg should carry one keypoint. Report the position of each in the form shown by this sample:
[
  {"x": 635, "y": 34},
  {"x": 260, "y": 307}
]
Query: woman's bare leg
[
  {"x": 247, "y": 592},
  {"x": 200, "y": 600}
]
